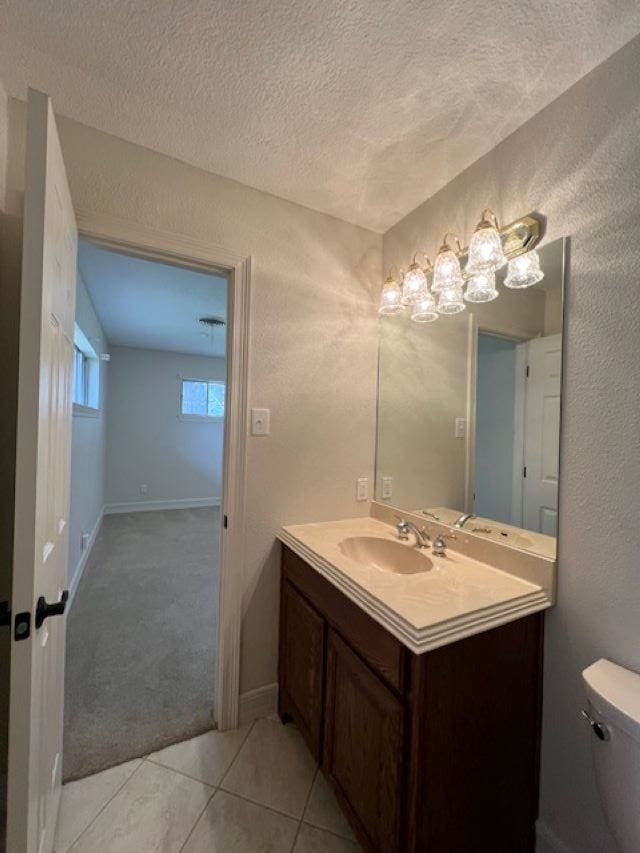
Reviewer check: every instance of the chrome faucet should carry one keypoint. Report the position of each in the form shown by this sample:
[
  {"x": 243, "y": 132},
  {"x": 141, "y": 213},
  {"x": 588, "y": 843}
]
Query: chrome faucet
[
  {"x": 404, "y": 528},
  {"x": 461, "y": 520}
]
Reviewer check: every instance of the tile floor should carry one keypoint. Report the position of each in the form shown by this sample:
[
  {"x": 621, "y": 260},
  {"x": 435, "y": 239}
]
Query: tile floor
[{"x": 253, "y": 790}]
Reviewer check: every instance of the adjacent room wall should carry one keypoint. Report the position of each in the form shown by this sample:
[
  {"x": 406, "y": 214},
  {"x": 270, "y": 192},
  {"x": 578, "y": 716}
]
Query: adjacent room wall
[
  {"x": 88, "y": 447},
  {"x": 495, "y": 423},
  {"x": 178, "y": 460},
  {"x": 578, "y": 163}
]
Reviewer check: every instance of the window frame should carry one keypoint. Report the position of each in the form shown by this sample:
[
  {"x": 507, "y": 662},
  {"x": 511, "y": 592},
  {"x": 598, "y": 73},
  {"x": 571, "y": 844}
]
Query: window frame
[
  {"x": 201, "y": 418},
  {"x": 91, "y": 383}
]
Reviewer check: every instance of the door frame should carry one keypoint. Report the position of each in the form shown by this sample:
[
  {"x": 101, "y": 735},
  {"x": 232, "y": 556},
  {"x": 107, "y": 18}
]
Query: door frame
[
  {"x": 474, "y": 331},
  {"x": 157, "y": 244}
]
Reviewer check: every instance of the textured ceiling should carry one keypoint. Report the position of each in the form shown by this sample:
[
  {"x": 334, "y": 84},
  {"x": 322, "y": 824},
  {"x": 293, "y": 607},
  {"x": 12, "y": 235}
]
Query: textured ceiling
[
  {"x": 358, "y": 108},
  {"x": 152, "y": 305}
]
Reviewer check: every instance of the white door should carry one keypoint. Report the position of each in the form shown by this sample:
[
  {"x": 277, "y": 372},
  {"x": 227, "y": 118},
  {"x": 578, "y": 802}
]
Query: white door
[
  {"x": 42, "y": 486},
  {"x": 542, "y": 435}
]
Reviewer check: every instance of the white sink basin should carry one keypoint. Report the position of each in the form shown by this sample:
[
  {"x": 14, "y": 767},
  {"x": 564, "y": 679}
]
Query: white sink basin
[{"x": 386, "y": 555}]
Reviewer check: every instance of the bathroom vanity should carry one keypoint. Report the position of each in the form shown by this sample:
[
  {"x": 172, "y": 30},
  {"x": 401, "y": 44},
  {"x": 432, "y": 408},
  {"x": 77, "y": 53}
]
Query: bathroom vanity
[
  {"x": 414, "y": 671},
  {"x": 418, "y": 689}
]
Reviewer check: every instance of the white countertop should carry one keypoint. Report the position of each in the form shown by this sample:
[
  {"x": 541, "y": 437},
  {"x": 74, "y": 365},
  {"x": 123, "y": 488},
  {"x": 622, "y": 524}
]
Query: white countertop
[{"x": 457, "y": 598}]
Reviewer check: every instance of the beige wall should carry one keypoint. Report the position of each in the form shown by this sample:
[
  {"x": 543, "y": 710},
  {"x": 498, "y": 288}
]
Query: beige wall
[
  {"x": 313, "y": 340},
  {"x": 577, "y": 162}
]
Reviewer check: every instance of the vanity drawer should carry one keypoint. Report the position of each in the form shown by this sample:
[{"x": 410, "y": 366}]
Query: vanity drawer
[{"x": 373, "y": 643}]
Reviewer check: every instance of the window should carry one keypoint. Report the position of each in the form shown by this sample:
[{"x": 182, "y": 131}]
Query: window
[
  {"x": 80, "y": 377},
  {"x": 86, "y": 376},
  {"x": 202, "y": 399}
]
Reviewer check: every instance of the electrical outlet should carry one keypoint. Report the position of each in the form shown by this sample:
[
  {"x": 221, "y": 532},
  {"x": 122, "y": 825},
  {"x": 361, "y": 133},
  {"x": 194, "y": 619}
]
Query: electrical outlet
[
  {"x": 387, "y": 487},
  {"x": 144, "y": 488},
  {"x": 84, "y": 541},
  {"x": 362, "y": 489}
]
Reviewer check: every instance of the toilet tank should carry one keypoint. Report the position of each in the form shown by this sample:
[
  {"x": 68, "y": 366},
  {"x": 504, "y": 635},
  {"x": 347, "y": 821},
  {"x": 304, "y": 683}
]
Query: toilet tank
[{"x": 613, "y": 695}]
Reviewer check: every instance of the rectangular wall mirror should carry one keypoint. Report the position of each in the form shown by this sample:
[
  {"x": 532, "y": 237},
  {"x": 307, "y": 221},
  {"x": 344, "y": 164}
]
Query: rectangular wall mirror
[{"x": 469, "y": 412}]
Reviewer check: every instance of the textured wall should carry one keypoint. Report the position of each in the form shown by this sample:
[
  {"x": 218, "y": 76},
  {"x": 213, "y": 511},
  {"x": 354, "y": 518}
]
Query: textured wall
[
  {"x": 146, "y": 440},
  {"x": 88, "y": 442},
  {"x": 578, "y": 162},
  {"x": 313, "y": 340}
]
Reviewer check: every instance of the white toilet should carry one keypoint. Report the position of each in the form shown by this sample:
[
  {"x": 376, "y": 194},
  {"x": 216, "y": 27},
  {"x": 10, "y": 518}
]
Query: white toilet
[{"x": 614, "y": 715}]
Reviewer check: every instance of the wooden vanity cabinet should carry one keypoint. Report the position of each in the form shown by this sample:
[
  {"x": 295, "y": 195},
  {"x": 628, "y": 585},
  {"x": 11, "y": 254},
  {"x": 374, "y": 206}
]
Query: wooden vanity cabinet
[{"x": 435, "y": 752}]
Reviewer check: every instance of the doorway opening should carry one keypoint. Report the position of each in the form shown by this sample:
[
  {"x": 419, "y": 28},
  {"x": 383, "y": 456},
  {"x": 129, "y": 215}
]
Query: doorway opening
[
  {"x": 150, "y": 388},
  {"x": 517, "y": 411}
]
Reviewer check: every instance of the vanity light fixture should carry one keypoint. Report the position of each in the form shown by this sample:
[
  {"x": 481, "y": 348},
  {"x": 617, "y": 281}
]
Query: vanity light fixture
[
  {"x": 414, "y": 284},
  {"x": 446, "y": 271},
  {"x": 490, "y": 248},
  {"x": 524, "y": 270},
  {"x": 391, "y": 297},
  {"x": 450, "y": 300},
  {"x": 481, "y": 287},
  {"x": 425, "y": 311},
  {"x": 485, "y": 250}
]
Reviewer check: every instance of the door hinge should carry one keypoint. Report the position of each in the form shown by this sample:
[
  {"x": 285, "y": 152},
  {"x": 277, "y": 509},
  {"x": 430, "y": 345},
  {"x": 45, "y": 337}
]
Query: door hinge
[
  {"x": 527, "y": 372},
  {"x": 524, "y": 473},
  {"x": 225, "y": 521}
]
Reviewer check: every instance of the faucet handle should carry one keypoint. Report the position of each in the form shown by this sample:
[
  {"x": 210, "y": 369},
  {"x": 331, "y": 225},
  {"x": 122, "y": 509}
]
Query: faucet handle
[
  {"x": 440, "y": 545},
  {"x": 402, "y": 527}
]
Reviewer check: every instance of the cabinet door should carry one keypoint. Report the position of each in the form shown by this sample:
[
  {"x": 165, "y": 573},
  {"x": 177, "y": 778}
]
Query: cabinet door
[
  {"x": 301, "y": 664},
  {"x": 363, "y": 745}
]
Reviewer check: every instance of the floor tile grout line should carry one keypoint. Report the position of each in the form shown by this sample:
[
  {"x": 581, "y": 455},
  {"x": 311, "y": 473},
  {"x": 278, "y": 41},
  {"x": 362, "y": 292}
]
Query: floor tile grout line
[
  {"x": 304, "y": 819},
  {"x": 257, "y": 803},
  {"x": 181, "y": 773},
  {"x": 188, "y": 775},
  {"x": 115, "y": 794},
  {"x": 351, "y": 840},
  {"x": 306, "y": 805},
  {"x": 241, "y": 747},
  {"x": 198, "y": 819}
]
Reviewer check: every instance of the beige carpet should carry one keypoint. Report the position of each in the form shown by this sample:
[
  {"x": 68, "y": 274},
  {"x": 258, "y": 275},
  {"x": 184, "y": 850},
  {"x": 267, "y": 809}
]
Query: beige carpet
[{"x": 141, "y": 639}]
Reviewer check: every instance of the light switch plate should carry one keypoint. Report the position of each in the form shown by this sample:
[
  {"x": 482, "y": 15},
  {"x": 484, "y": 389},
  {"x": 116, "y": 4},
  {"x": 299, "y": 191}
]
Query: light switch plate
[
  {"x": 260, "y": 422},
  {"x": 362, "y": 489},
  {"x": 387, "y": 487},
  {"x": 460, "y": 427}
]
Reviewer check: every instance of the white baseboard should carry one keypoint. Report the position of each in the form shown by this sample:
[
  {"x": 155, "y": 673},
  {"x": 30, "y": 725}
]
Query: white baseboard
[
  {"x": 84, "y": 558},
  {"x": 547, "y": 840},
  {"x": 150, "y": 506},
  {"x": 262, "y": 702}
]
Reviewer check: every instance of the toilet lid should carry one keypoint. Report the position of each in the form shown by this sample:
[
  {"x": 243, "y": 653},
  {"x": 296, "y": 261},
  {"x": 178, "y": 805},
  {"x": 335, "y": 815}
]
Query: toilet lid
[{"x": 615, "y": 693}]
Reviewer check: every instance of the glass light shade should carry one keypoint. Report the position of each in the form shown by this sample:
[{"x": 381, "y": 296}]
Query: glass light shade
[
  {"x": 425, "y": 310},
  {"x": 524, "y": 270},
  {"x": 446, "y": 270},
  {"x": 390, "y": 298},
  {"x": 481, "y": 287},
  {"x": 485, "y": 250},
  {"x": 450, "y": 300},
  {"x": 414, "y": 285}
]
